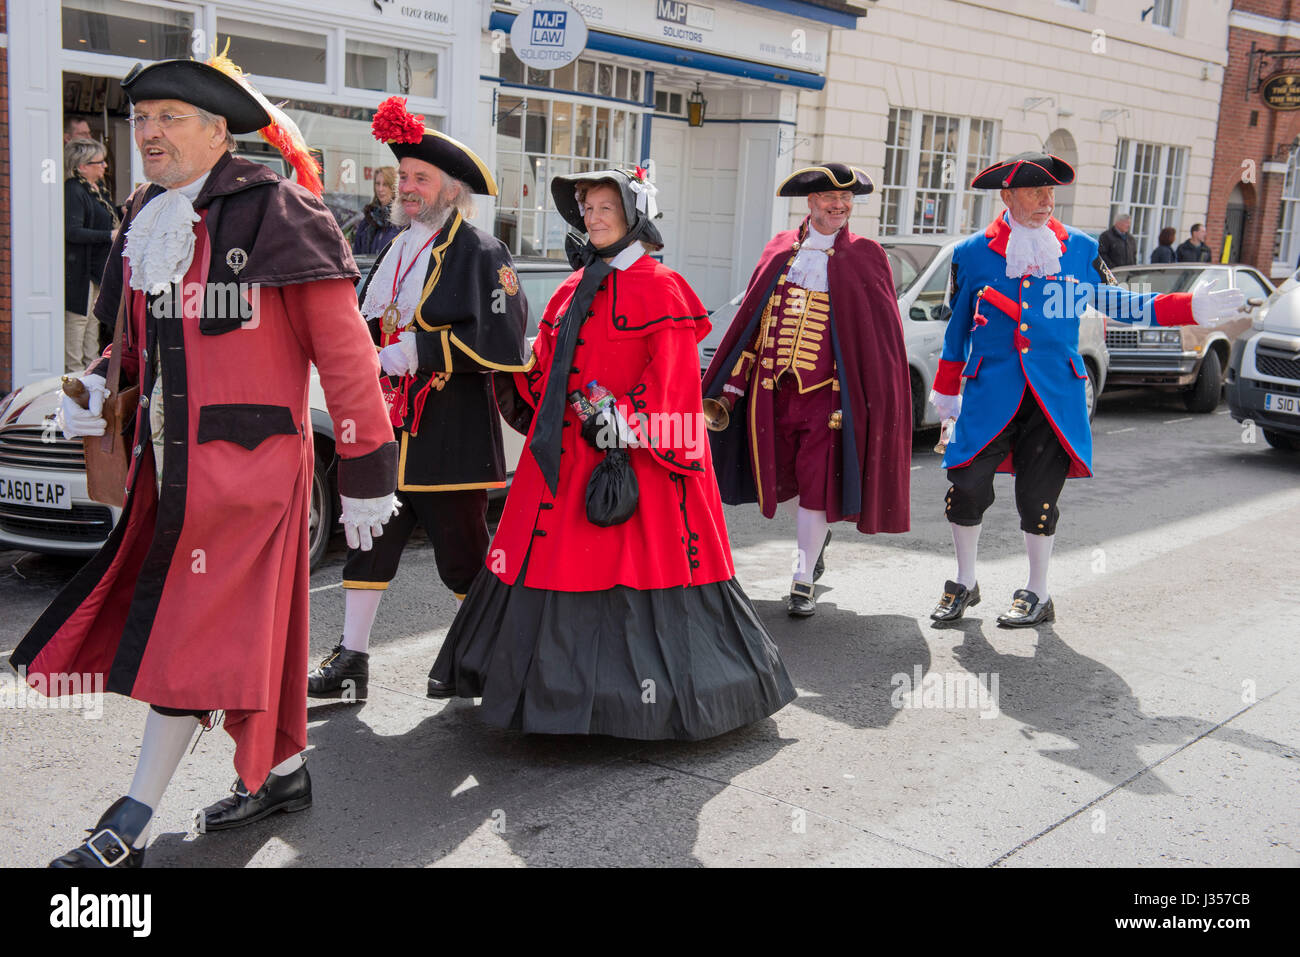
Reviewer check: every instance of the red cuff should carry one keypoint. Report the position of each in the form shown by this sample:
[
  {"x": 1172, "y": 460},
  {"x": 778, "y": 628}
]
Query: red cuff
[
  {"x": 1173, "y": 309},
  {"x": 947, "y": 380}
]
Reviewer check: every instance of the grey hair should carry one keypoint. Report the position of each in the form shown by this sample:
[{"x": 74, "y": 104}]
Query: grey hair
[
  {"x": 455, "y": 194},
  {"x": 210, "y": 118},
  {"x": 79, "y": 152}
]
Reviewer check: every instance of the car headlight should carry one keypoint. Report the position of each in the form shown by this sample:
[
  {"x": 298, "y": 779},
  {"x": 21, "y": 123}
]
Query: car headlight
[
  {"x": 1171, "y": 335},
  {"x": 1149, "y": 335}
]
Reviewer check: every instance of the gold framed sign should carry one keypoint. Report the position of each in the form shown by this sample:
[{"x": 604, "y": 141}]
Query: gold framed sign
[{"x": 1282, "y": 92}]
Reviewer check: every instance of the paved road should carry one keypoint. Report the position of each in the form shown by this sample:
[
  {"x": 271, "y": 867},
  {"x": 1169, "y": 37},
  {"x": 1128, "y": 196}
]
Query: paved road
[{"x": 1156, "y": 723}]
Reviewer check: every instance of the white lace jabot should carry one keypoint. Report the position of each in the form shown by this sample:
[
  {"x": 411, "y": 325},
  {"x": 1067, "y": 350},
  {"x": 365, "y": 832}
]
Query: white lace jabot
[
  {"x": 160, "y": 240},
  {"x": 380, "y": 291},
  {"x": 809, "y": 267},
  {"x": 1032, "y": 252}
]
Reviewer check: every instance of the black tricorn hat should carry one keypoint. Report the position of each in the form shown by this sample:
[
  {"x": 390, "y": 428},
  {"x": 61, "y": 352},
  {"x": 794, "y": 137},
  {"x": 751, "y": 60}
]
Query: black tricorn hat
[
  {"x": 406, "y": 135},
  {"x": 564, "y": 191},
  {"x": 192, "y": 81},
  {"x": 1025, "y": 169},
  {"x": 452, "y": 157},
  {"x": 825, "y": 178}
]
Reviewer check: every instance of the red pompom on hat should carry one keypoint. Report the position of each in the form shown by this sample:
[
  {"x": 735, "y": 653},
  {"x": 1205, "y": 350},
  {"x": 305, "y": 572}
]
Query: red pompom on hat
[{"x": 393, "y": 124}]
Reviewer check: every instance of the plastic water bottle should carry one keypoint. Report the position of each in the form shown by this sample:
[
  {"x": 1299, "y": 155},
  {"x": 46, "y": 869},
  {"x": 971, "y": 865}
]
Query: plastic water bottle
[{"x": 599, "y": 397}]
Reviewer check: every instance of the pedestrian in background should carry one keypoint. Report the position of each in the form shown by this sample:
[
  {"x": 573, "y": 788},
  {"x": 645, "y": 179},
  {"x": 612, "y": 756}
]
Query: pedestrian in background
[
  {"x": 89, "y": 220},
  {"x": 377, "y": 229},
  {"x": 1195, "y": 250},
  {"x": 1117, "y": 245},
  {"x": 1164, "y": 253}
]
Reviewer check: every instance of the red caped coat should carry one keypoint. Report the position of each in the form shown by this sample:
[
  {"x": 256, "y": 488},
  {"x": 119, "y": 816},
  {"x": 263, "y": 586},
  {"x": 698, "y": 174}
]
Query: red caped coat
[
  {"x": 199, "y": 598},
  {"x": 641, "y": 345}
]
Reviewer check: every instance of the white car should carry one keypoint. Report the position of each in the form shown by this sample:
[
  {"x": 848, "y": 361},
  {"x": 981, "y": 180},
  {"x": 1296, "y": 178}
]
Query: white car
[{"x": 921, "y": 265}]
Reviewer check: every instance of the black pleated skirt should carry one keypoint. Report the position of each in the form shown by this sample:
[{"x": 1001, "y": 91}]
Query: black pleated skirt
[{"x": 683, "y": 663}]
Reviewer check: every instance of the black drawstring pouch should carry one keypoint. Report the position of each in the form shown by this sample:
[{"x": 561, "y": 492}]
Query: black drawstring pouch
[{"x": 612, "y": 491}]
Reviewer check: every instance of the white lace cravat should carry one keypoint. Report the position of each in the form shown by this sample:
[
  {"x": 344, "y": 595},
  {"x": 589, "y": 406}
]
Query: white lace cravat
[
  {"x": 1032, "y": 252},
  {"x": 380, "y": 292},
  {"x": 160, "y": 242},
  {"x": 809, "y": 267}
]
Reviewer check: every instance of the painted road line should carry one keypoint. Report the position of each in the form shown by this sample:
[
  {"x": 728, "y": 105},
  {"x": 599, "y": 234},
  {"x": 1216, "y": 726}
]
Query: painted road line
[
  {"x": 1118, "y": 431},
  {"x": 313, "y": 591},
  {"x": 1186, "y": 418}
]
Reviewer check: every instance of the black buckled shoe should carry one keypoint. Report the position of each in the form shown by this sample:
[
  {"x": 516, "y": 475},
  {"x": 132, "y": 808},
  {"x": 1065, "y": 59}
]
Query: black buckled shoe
[
  {"x": 287, "y": 792},
  {"x": 801, "y": 602},
  {"x": 109, "y": 844},
  {"x": 956, "y": 599},
  {"x": 343, "y": 674},
  {"x": 1026, "y": 611},
  {"x": 440, "y": 689},
  {"x": 820, "y": 567}
]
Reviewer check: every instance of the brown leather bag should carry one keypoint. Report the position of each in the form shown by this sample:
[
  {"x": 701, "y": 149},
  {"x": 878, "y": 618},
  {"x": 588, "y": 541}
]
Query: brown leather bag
[{"x": 108, "y": 459}]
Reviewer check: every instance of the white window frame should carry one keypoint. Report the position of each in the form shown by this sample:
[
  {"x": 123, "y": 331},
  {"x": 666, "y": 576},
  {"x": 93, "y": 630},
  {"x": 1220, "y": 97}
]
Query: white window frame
[
  {"x": 1162, "y": 212},
  {"x": 960, "y": 189},
  {"x": 1286, "y": 242}
]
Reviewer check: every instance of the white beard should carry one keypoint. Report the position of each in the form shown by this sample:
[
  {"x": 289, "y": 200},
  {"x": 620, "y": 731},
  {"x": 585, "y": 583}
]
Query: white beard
[{"x": 1032, "y": 252}]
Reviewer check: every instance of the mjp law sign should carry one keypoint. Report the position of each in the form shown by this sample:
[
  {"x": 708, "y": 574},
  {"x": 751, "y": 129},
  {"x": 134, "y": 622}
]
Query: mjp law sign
[{"x": 548, "y": 35}]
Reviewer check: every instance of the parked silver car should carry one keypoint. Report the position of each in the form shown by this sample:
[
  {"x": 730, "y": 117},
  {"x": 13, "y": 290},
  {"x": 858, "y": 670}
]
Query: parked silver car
[{"x": 921, "y": 265}]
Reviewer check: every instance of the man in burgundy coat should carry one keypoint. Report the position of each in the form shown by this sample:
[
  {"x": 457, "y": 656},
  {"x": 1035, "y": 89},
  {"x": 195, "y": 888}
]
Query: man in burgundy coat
[
  {"x": 810, "y": 390},
  {"x": 235, "y": 281}
]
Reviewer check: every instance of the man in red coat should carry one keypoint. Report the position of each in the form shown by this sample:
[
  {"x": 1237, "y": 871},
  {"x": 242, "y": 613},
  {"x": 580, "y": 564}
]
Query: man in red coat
[
  {"x": 809, "y": 392},
  {"x": 232, "y": 282}
]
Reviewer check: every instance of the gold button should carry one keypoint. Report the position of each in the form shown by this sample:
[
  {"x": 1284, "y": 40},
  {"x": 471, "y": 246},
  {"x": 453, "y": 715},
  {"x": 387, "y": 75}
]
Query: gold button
[
  {"x": 1025, "y": 284},
  {"x": 1024, "y": 305},
  {"x": 1044, "y": 518},
  {"x": 1045, "y": 505},
  {"x": 1040, "y": 524},
  {"x": 1025, "y": 349},
  {"x": 1024, "y": 327}
]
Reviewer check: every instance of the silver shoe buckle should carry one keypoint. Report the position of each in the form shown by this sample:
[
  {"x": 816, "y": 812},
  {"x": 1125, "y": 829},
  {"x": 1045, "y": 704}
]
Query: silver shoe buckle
[{"x": 90, "y": 843}]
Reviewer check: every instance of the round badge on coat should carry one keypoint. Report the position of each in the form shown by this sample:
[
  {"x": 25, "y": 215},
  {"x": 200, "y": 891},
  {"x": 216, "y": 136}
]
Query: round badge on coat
[{"x": 508, "y": 280}]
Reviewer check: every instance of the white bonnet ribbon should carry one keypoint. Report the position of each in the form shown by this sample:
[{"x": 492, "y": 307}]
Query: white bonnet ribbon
[{"x": 645, "y": 198}]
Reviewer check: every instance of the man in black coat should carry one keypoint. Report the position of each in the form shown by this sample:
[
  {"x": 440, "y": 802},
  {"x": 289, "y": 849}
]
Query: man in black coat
[
  {"x": 1117, "y": 245},
  {"x": 1195, "y": 250}
]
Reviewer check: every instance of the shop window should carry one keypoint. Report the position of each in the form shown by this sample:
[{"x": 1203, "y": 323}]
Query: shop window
[
  {"x": 126, "y": 29},
  {"x": 673, "y": 104},
  {"x": 1148, "y": 184},
  {"x": 265, "y": 50},
  {"x": 375, "y": 66},
  {"x": 539, "y": 138},
  {"x": 930, "y": 160},
  {"x": 580, "y": 76},
  {"x": 1286, "y": 246}
]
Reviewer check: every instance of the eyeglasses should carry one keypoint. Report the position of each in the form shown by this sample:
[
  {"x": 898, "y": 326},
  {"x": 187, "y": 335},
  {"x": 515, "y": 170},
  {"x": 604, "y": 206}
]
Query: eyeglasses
[
  {"x": 96, "y": 163},
  {"x": 164, "y": 120}
]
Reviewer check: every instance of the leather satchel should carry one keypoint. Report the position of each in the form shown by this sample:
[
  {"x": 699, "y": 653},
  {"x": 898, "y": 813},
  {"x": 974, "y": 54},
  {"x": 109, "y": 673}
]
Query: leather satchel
[{"x": 108, "y": 459}]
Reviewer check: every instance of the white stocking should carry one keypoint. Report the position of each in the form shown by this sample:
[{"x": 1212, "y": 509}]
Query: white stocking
[
  {"x": 1039, "y": 550},
  {"x": 165, "y": 740},
  {"x": 360, "y": 605},
  {"x": 288, "y": 765},
  {"x": 811, "y": 528},
  {"x": 966, "y": 541}
]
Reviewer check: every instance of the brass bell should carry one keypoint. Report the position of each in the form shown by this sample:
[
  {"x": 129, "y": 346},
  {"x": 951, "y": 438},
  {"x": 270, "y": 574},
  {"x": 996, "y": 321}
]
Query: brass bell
[
  {"x": 717, "y": 414},
  {"x": 836, "y": 420}
]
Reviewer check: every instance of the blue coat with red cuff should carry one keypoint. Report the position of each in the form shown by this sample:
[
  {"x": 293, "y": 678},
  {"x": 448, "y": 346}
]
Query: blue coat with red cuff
[{"x": 1007, "y": 335}]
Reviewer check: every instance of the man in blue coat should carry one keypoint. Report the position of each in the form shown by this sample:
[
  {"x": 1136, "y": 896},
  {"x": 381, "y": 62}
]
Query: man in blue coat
[{"x": 1017, "y": 291}]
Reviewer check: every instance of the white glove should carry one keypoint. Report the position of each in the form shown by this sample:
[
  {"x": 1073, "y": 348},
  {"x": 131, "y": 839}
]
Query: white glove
[
  {"x": 948, "y": 406},
  {"x": 1210, "y": 307},
  {"x": 363, "y": 519},
  {"x": 76, "y": 421},
  {"x": 400, "y": 358}
]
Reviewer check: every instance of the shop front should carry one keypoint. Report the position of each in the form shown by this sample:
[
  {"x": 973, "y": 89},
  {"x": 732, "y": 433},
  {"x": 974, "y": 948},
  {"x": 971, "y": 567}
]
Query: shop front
[
  {"x": 329, "y": 62},
  {"x": 703, "y": 93}
]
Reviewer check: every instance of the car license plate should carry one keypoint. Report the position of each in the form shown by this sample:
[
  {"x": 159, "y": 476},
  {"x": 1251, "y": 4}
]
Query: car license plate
[
  {"x": 17, "y": 488},
  {"x": 1288, "y": 404}
]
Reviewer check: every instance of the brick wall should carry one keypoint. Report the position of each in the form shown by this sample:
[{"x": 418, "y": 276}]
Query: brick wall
[
  {"x": 6, "y": 269},
  {"x": 1251, "y": 134}
]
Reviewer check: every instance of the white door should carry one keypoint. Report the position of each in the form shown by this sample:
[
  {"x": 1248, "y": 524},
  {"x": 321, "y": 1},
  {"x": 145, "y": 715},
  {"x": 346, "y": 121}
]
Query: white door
[{"x": 708, "y": 216}]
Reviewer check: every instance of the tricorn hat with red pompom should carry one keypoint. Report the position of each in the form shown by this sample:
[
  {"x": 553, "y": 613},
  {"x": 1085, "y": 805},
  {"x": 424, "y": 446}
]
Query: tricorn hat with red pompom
[{"x": 406, "y": 135}]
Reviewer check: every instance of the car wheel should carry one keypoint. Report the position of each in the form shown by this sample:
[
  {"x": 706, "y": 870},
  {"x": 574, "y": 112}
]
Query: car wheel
[
  {"x": 1282, "y": 441},
  {"x": 1205, "y": 394},
  {"x": 1090, "y": 390},
  {"x": 321, "y": 520},
  {"x": 918, "y": 403}
]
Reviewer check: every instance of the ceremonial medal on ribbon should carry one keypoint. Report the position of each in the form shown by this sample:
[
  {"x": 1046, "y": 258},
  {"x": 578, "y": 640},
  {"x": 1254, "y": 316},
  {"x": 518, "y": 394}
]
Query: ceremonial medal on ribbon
[{"x": 389, "y": 321}]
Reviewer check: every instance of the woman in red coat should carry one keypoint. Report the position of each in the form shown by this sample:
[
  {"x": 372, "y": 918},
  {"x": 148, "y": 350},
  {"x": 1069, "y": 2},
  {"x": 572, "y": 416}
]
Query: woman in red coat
[{"x": 636, "y": 629}]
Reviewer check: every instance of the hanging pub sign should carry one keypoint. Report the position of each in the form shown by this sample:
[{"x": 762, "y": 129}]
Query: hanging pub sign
[
  {"x": 549, "y": 34},
  {"x": 1282, "y": 92}
]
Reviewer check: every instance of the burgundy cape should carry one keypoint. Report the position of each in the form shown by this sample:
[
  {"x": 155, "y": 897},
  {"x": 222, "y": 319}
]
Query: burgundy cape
[
  {"x": 875, "y": 389},
  {"x": 198, "y": 600}
]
